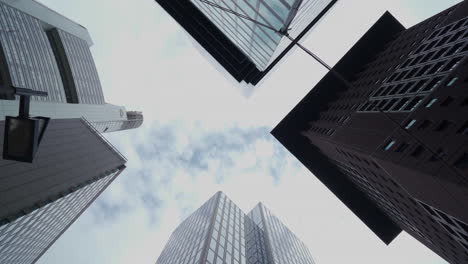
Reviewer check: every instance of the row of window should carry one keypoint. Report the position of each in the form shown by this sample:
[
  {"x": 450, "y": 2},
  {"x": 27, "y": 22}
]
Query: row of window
[
  {"x": 404, "y": 104},
  {"x": 186, "y": 243},
  {"x": 286, "y": 247},
  {"x": 428, "y": 69},
  {"x": 23, "y": 240},
  {"x": 461, "y": 162},
  {"x": 227, "y": 244},
  {"x": 455, "y": 227}
]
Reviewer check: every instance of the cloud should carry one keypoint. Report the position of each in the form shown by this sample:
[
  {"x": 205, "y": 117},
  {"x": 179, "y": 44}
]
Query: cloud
[{"x": 201, "y": 135}]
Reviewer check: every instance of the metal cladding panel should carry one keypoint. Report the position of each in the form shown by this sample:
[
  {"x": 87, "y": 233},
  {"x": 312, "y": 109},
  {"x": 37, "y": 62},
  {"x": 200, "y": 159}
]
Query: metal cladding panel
[
  {"x": 71, "y": 155},
  {"x": 288, "y": 131}
]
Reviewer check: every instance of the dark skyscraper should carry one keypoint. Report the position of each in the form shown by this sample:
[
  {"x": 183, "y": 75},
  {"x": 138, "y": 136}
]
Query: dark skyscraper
[
  {"x": 393, "y": 145},
  {"x": 45, "y": 51},
  {"x": 247, "y": 51},
  {"x": 220, "y": 233}
]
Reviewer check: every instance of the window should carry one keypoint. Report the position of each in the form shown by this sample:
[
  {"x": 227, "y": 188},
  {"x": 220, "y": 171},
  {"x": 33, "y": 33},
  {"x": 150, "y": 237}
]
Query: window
[
  {"x": 462, "y": 162},
  {"x": 464, "y": 102},
  {"x": 405, "y": 88},
  {"x": 440, "y": 53},
  {"x": 410, "y": 124},
  {"x": 425, "y": 124},
  {"x": 418, "y": 86},
  {"x": 411, "y": 73},
  {"x": 455, "y": 49},
  {"x": 447, "y": 101},
  {"x": 432, "y": 102},
  {"x": 453, "y": 63},
  {"x": 423, "y": 70},
  {"x": 445, "y": 124},
  {"x": 433, "y": 84},
  {"x": 400, "y": 104},
  {"x": 463, "y": 129},
  {"x": 417, "y": 152},
  {"x": 389, "y": 105},
  {"x": 413, "y": 104},
  {"x": 438, "y": 156},
  {"x": 406, "y": 63},
  {"x": 403, "y": 146},
  {"x": 443, "y": 40},
  {"x": 452, "y": 81},
  {"x": 458, "y": 25},
  {"x": 389, "y": 145},
  {"x": 431, "y": 45}
]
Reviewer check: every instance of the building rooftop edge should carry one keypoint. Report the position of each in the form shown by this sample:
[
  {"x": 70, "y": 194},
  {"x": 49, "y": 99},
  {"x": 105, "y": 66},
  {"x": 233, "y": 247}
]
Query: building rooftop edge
[{"x": 51, "y": 17}]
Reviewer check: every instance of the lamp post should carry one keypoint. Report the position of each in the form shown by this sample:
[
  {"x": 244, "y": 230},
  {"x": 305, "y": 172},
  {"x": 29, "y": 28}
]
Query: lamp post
[{"x": 23, "y": 133}]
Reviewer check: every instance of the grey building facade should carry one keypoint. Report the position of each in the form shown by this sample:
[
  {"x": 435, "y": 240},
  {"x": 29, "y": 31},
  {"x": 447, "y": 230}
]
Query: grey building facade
[
  {"x": 245, "y": 50},
  {"x": 39, "y": 201},
  {"x": 220, "y": 233},
  {"x": 45, "y": 51}
]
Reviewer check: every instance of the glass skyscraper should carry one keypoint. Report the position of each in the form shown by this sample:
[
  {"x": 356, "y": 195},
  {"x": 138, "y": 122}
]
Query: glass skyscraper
[
  {"x": 45, "y": 51},
  {"x": 220, "y": 233},
  {"x": 246, "y": 50},
  {"x": 42, "y": 50},
  {"x": 39, "y": 201},
  {"x": 260, "y": 44}
]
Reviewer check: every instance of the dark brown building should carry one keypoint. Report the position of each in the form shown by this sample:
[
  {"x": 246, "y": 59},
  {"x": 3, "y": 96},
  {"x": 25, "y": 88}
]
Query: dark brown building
[{"x": 393, "y": 145}]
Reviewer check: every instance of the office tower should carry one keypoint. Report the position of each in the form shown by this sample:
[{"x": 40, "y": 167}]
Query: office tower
[
  {"x": 45, "y": 51},
  {"x": 243, "y": 49},
  {"x": 219, "y": 232},
  {"x": 39, "y": 201},
  {"x": 392, "y": 145}
]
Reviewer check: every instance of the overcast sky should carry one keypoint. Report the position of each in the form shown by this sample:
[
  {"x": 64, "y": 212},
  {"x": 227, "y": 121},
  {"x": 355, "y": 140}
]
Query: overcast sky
[{"x": 201, "y": 135}]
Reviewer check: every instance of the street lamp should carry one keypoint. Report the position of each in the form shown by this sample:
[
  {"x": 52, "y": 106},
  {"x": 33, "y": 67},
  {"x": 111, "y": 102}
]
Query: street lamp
[{"x": 23, "y": 133}]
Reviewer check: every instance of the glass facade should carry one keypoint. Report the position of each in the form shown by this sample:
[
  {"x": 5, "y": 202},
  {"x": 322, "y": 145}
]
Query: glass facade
[
  {"x": 36, "y": 54},
  {"x": 85, "y": 75},
  {"x": 188, "y": 240},
  {"x": 28, "y": 54},
  {"x": 260, "y": 44},
  {"x": 220, "y": 233},
  {"x": 28, "y": 237}
]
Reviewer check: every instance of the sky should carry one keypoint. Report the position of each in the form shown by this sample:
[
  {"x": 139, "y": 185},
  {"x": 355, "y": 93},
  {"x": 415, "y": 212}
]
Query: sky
[{"x": 201, "y": 135}]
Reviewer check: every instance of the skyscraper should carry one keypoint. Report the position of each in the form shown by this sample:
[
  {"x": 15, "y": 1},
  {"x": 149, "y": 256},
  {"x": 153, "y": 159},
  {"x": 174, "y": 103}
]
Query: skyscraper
[
  {"x": 45, "y": 51},
  {"x": 39, "y": 201},
  {"x": 42, "y": 50},
  {"x": 247, "y": 51},
  {"x": 219, "y": 232},
  {"x": 392, "y": 145}
]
